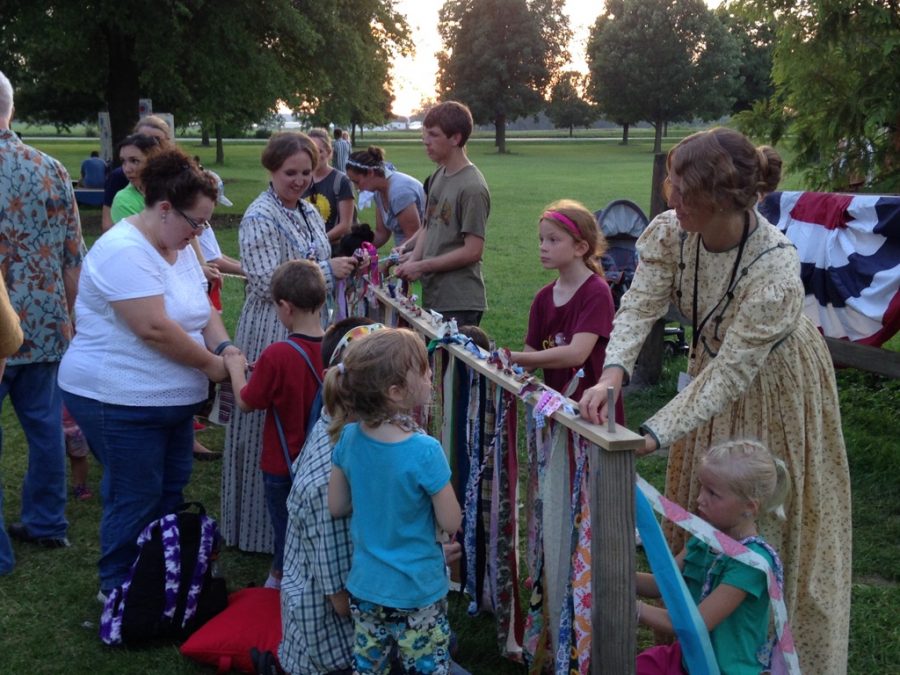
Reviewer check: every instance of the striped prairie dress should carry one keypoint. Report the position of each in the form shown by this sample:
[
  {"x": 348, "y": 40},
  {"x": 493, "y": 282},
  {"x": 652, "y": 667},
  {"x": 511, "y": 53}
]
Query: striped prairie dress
[
  {"x": 269, "y": 235},
  {"x": 758, "y": 369}
]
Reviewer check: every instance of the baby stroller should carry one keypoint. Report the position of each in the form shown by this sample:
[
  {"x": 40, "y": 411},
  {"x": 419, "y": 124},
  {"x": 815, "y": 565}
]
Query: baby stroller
[{"x": 622, "y": 222}]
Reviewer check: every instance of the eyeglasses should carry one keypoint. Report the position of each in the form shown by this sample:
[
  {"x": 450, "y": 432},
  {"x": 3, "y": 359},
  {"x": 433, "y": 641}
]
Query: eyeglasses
[{"x": 203, "y": 225}]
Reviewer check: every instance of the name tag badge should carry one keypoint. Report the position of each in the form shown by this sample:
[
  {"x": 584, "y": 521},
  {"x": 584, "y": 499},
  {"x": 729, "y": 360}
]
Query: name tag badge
[{"x": 683, "y": 380}]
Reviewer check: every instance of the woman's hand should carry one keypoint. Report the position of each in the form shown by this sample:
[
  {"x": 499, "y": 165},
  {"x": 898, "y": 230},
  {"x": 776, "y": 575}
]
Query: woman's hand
[
  {"x": 211, "y": 271},
  {"x": 343, "y": 266},
  {"x": 593, "y": 403},
  {"x": 649, "y": 446},
  {"x": 216, "y": 370}
]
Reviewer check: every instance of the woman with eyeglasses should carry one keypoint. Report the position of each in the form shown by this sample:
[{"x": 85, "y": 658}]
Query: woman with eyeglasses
[
  {"x": 146, "y": 348},
  {"x": 135, "y": 151},
  {"x": 278, "y": 226}
]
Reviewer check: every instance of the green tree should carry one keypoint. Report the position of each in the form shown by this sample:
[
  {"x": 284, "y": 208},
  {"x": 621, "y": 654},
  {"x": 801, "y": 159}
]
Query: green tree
[
  {"x": 211, "y": 61},
  {"x": 662, "y": 61},
  {"x": 499, "y": 56},
  {"x": 836, "y": 71},
  {"x": 615, "y": 106},
  {"x": 756, "y": 41},
  {"x": 232, "y": 78},
  {"x": 567, "y": 108},
  {"x": 368, "y": 36}
]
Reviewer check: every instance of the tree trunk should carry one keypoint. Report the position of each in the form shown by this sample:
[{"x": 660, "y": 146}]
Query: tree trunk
[
  {"x": 625, "y": 133},
  {"x": 220, "y": 148},
  {"x": 204, "y": 136},
  {"x": 122, "y": 85},
  {"x": 657, "y": 137},
  {"x": 500, "y": 126},
  {"x": 571, "y": 130}
]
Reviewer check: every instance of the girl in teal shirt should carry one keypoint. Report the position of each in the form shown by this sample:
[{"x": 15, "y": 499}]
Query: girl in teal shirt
[
  {"x": 738, "y": 481},
  {"x": 394, "y": 481}
]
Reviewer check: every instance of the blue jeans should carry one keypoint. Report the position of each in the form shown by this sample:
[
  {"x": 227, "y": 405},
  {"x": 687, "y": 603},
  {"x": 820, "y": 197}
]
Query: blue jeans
[
  {"x": 276, "y": 490},
  {"x": 146, "y": 453},
  {"x": 36, "y": 399}
]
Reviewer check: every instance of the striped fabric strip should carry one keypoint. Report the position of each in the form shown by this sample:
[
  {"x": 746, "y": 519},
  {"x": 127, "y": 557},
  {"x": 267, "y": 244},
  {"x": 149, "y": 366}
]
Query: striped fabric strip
[{"x": 784, "y": 656}]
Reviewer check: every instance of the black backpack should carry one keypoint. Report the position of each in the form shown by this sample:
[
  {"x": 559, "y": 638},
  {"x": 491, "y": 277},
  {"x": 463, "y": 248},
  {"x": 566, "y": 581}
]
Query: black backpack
[{"x": 170, "y": 591}]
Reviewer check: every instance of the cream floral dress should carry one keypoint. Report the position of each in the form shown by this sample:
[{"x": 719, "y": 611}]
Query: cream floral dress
[{"x": 761, "y": 370}]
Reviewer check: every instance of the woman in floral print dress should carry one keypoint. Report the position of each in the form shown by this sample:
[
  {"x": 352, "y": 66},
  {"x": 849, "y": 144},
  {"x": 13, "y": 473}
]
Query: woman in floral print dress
[
  {"x": 278, "y": 226},
  {"x": 758, "y": 368}
]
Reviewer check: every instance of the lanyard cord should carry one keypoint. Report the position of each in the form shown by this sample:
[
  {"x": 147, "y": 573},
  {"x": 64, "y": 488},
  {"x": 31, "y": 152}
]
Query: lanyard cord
[{"x": 697, "y": 329}]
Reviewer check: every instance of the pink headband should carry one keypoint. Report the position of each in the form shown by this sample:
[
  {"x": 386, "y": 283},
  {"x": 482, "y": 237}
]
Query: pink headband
[{"x": 563, "y": 220}]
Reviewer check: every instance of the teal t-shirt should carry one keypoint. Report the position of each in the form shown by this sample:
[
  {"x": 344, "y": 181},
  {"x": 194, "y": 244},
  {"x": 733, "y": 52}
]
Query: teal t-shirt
[
  {"x": 737, "y": 639},
  {"x": 397, "y": 560},
  {"x": 127, "y": 202}
]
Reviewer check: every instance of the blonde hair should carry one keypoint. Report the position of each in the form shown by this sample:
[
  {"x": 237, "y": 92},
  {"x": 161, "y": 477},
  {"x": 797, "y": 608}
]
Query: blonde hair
[
  {"x": 584, "y": 221},
  {"x": 322, "y": 135},
  {"x": 752, "y": 473},
  {"x": 370, "y": 367},
  {"x": 154, "y": 122}
]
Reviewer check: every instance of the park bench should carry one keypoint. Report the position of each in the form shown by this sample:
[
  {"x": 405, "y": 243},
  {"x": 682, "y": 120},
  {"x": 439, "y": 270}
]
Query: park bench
[{"x": 89, "y": 196}]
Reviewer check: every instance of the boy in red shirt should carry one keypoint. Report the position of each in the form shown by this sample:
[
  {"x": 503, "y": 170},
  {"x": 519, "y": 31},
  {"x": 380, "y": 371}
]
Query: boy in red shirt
[{"x": 283, "y": 382}]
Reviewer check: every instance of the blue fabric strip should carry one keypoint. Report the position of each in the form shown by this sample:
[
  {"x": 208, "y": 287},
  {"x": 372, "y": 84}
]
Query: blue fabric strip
[{"x": 686, "y": 620}]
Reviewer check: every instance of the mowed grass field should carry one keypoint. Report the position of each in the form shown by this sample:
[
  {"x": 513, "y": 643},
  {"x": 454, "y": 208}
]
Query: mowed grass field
[{"x": 48, "y": 615}]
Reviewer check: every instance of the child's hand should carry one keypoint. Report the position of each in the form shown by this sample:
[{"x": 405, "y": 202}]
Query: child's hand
[
  {"x": 340, "y": 601},
  {"x": 235, "y": 361},
  {"x": 452, "y": 552},
  {"x": 411, "y": 271}
]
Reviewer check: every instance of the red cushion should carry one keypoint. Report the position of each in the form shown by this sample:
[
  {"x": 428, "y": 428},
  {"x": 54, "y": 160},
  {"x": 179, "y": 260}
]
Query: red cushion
[{"x": 252, "y": 619}]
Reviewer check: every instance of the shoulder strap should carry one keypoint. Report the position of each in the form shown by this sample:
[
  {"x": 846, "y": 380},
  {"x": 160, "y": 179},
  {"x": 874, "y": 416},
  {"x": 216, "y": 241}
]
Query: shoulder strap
[
  {"x": 279, "y": 427},
  {"x": 306, "y": 358}
]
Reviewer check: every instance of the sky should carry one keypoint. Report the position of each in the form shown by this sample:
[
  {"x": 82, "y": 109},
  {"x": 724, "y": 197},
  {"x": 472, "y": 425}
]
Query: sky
[{"x": 414, "y": 77}]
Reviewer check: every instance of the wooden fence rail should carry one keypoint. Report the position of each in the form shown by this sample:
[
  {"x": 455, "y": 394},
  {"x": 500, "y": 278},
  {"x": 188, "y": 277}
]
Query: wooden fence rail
[{"x": 612, "y": 485}]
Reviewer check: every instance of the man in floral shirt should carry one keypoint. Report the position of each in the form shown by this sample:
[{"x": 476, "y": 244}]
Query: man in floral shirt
[{"x": 40, "y": 258}]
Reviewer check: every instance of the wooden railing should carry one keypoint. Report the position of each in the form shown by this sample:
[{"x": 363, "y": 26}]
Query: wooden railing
[{"x": 612, "y": 485}]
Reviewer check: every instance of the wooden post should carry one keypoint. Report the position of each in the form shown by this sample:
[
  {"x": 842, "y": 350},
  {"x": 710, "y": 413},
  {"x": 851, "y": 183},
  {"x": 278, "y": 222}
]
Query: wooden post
[
  {"x": 657, "y": 200},
  {"x": 648, "y": 368},
  {"x": 613, "y": 599}
]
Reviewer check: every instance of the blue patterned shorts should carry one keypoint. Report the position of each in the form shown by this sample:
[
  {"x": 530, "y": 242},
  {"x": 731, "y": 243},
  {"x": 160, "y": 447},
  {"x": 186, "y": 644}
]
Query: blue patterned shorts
[{"x": 421, "y": 636}]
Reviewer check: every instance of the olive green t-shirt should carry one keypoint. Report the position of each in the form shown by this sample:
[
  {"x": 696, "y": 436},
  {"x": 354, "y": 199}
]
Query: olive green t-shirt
[{"x": 457, "y": 205}]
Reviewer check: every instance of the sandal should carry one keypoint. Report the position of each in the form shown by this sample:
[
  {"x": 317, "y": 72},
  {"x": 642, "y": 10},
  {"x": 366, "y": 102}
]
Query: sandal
[
  {"x": 204, "y": 454},
  {"x": 82, "y": 492}
]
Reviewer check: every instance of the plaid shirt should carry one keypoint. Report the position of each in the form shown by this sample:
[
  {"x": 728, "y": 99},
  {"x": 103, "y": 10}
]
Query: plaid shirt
[
  {"x": 40, "y": 240},
  {"x": 317, "y": 555}
]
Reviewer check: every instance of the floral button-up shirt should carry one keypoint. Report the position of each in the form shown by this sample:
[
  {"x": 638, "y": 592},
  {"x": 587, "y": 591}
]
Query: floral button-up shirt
[{"x": 40, "y": 241}]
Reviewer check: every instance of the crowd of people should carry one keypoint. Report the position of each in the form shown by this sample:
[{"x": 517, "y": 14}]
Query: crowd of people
[{"x": 356, "y": 506}]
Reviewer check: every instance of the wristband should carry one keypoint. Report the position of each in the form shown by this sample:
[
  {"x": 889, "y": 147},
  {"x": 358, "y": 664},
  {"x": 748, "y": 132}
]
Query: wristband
[{"x": 225, "y": 344}]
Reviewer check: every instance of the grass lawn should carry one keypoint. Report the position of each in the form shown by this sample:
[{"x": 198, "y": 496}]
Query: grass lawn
[{"x": 48, "y": 615}]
